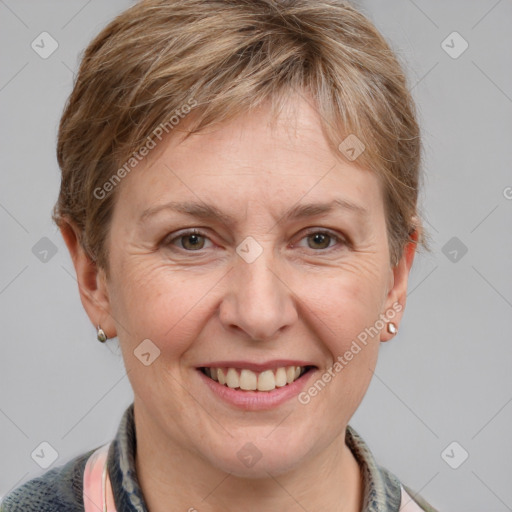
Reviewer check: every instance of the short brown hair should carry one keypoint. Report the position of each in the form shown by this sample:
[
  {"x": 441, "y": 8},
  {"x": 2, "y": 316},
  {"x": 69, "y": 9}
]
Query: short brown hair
[{"x": 230, "y": 56}]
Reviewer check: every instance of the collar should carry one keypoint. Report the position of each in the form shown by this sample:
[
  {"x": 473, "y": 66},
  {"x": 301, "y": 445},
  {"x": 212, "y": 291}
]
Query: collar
[{"x": 382, "y": 492}]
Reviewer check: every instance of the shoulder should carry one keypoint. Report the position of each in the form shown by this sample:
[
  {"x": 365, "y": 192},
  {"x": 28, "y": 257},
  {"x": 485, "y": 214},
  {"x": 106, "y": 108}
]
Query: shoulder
[
  {"x": 410, "y": 501},
  {"x": 59, "y": 489},
  {"x": 413, "y": 502},
  {"x": 383, "y": 490}
]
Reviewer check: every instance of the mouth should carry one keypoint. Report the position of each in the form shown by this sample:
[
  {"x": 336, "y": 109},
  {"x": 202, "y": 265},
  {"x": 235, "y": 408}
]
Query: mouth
[{"x": 243, "y": 379}]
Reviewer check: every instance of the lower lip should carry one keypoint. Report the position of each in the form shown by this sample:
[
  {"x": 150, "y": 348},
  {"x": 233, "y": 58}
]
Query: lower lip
[{"x": 257, "y": 400}]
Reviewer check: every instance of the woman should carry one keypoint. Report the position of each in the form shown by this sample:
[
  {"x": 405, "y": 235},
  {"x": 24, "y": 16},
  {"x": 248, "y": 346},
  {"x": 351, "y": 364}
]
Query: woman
[{"x": 239, "y": 199}]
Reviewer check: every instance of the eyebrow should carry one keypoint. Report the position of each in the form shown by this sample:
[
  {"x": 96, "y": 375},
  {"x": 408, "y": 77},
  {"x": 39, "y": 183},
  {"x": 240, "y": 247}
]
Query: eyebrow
[{"x": 208, "y": 211}]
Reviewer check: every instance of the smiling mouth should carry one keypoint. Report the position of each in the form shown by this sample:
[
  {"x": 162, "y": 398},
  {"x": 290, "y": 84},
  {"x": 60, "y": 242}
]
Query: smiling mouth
[{"x": 247, "y": 380}]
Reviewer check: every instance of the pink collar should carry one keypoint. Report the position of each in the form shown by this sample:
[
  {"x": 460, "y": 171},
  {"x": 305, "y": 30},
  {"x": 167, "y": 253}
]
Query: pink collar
[{"x": 98, "y": 494}]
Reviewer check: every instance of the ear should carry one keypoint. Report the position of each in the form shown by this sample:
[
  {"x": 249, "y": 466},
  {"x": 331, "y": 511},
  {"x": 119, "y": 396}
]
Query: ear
[
  {"x": 92, "y": 281},
  {"x": 397, "y": 293}
]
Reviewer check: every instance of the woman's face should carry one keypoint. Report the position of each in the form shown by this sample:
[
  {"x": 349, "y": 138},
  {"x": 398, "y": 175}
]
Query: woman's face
[{"x": 259, "y": 289}]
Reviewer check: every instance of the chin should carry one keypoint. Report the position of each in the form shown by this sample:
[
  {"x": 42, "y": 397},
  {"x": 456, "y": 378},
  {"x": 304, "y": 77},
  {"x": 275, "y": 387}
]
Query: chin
[
  {"x": 260, "y": 459},
  {"x": 266, "y": 467}
]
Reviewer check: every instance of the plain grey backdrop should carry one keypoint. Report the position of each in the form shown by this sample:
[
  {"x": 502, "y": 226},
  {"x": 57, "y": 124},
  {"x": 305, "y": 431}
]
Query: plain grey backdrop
[{"x": 438, "y": 412}]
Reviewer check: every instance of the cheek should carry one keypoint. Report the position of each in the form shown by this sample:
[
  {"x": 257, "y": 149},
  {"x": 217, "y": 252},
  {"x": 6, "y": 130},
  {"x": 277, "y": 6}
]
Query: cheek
[
  {"x": 344, "y": 302},
  {"x": 342, "y": 312},
  {"x": 159, "y": 303},
  {"x": 342, "y": 315}
]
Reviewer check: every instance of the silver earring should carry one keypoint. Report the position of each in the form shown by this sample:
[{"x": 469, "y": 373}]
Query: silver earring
[
  {"x": 392, "y": 328},
  {"x": 101, "y": 335}
]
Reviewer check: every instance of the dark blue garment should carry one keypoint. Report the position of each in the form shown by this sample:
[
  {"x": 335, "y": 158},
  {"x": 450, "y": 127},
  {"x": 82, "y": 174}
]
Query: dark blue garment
[{"x": 61, "y": 488}]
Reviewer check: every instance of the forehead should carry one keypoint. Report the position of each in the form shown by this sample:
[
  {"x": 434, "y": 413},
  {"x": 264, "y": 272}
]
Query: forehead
[{"x": 251, "y": 159}]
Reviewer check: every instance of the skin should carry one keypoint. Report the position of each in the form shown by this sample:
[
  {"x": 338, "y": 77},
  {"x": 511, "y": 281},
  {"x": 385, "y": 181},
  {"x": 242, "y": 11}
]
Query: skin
[{"x": 302, "y": 298}]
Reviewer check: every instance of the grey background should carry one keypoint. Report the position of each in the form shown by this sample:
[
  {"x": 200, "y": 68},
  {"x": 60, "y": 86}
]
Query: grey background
[{"x": 446, "y": 375}]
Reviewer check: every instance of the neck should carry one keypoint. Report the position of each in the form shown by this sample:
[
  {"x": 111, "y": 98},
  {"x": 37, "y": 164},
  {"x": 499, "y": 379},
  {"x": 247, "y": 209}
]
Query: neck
[{"x": 172, "y": 478}]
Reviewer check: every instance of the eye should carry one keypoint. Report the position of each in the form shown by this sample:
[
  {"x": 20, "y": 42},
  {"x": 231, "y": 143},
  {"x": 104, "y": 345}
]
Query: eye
[
  {"x": 321, "y": 239},
  {"x": 191, "y": 238}
]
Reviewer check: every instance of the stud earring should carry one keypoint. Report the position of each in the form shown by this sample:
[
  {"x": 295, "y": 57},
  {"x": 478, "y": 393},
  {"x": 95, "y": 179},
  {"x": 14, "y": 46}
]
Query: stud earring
[
  {"x": 101, "y": 335},
  {"x": 392, "y": 328}
]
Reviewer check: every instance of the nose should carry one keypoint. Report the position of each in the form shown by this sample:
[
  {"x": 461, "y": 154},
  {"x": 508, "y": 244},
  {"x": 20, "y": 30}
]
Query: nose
[{"x": 258, "y": 300}]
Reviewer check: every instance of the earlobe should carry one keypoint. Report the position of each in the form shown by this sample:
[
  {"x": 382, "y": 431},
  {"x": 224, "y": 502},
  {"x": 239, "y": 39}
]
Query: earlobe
[{"x": 91, "y": 281}]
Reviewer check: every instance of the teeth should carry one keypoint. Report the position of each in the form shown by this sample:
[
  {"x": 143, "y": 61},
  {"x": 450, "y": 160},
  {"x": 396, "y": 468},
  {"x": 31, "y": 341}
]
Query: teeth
[
  {"x": 232, "y": 379},
  {"x": 281, "y": 377},
  {"x": 266, "y": 381},
  {"x": 248, "y": 380}
]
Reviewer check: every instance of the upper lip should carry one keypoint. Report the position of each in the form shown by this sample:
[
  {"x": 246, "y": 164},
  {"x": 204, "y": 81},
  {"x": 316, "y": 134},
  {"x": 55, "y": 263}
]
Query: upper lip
[{"x": 257, "y": 367}]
